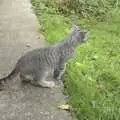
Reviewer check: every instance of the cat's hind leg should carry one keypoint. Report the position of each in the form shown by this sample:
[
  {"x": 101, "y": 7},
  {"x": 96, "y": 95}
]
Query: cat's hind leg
[
  {"x": 40, "y": 80},
  {"x": 26, "y": 78}
]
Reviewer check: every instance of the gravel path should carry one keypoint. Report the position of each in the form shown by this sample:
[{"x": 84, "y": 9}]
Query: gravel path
[{"x": 19, "y": 34}]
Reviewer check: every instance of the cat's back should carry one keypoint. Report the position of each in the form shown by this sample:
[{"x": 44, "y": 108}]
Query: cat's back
[{"x": 38, "y": 55}]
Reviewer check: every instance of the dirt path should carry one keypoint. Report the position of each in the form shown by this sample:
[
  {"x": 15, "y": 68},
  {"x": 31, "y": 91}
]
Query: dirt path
[{"x": 18, "y": 34}]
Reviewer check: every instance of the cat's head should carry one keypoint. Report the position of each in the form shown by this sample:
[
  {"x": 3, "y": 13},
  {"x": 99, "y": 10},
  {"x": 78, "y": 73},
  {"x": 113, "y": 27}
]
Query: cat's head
[{"x": 79, "y": 35}]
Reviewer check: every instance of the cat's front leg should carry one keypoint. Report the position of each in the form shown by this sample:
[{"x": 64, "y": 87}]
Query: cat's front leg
[{"x": 59, "y": 72}]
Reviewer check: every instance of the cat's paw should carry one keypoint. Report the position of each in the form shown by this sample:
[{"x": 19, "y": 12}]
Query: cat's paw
[
  {"x": 51, "y": 84},
  {"x": 58, "y": 78},
  {"x": 47, "y": 84}
]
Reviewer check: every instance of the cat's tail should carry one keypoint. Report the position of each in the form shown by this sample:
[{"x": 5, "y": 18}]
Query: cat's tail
[{"x": 8, "y": 77}]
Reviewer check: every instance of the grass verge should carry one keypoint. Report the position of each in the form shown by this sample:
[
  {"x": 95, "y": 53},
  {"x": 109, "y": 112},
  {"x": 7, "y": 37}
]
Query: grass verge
[{"x": 92, "y": 78}]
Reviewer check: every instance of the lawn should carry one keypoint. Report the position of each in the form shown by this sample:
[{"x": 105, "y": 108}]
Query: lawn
[{"x": 92, "y": 77}]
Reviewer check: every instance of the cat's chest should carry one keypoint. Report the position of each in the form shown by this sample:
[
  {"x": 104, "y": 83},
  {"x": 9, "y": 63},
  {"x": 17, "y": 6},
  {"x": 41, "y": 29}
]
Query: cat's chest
[{"x": 67, "y": 53}]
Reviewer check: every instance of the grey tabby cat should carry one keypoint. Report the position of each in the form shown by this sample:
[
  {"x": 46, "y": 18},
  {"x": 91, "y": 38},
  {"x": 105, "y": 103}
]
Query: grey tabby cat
[{"x": 36, "y": 65}]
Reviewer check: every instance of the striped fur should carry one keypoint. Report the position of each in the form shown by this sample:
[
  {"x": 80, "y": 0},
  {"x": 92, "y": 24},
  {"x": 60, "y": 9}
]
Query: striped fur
[{"x": 36, "y": 65}]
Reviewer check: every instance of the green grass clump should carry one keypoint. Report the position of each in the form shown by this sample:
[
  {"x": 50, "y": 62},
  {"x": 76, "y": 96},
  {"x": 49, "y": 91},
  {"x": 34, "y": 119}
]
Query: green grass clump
[
  {"x": 92, "y": 78},
  {"x": 53, "y": 26},
  {"x": 48, "y": 27},
  {"x": 83, "y": 8}
]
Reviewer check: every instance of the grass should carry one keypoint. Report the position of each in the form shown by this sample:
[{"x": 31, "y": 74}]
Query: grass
[{"x": 92, "y": 78}]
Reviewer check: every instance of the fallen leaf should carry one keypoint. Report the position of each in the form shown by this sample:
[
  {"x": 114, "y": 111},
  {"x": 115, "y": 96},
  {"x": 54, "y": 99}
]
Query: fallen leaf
[{"x": 64, "y": 107}]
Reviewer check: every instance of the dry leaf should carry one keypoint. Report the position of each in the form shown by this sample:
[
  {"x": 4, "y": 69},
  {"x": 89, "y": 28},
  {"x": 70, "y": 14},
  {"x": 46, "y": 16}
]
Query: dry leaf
[{"x": 64, "y": 107}]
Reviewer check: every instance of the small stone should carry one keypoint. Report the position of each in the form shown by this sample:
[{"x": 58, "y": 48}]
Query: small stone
[{"x": 28, "y": 45}]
